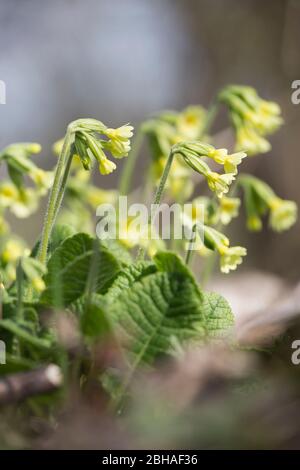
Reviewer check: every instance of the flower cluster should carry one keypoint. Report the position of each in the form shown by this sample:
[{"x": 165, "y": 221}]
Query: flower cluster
[
  {"x": 93, "y": 139},
  {"x": 259, "y": 199},
  {"x": 165, "y": 130},
  {"x": 20, "y": 199},
  {"x": 253, "y": 118},
  {"x": 193, "y": 153}
]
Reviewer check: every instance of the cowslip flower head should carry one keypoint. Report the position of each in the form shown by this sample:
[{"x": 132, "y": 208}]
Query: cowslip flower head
[
  {"x": 119, "y": 143},
  {"x": 193, "y": 153},
  {"x": 93, "y": 139},
  {"x": 253, "y": 117}
]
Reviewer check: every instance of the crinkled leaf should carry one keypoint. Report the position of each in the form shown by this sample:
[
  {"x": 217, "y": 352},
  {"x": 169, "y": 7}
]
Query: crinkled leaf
[
  {"x": 218, "y": 314},
  {"x": 127, "y": 277},
  {"x": 165, "y": 308},
  {"x": 69, "y": 268}
]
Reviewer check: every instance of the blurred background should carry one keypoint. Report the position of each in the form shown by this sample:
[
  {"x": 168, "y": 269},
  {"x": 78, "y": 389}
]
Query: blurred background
[{"x": 121, "y": 61}]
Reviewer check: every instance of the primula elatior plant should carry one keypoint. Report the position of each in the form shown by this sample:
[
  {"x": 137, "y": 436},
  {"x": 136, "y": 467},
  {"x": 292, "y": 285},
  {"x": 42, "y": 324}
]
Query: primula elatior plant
[{"x": 148, "y": 299}]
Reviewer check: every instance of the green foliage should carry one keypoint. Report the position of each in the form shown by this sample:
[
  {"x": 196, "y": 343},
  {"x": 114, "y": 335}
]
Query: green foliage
[
  {"x": 166, "y": 307},
  {"x": 150, "y": 308},
  {"x": 69, "y": 267}
]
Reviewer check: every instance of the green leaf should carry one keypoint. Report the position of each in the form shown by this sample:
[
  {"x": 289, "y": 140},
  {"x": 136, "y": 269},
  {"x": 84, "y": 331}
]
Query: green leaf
[
  {"x": 157, "y": 310},
  {"x": 218, "y": 314},
  {"x": 127, "y": 277},
  {"x": 118, "y": 250},
  {"x": 70, "y": 266},
  {"x": 165, "y": 308}
]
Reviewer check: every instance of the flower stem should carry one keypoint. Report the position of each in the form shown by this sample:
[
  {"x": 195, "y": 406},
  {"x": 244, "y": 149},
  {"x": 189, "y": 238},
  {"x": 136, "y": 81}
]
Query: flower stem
[
  {"x": 126, "y": 177},
  {"x": 63, "y": 185},
  {"x": 158, "y": 197},
  {"x": 190, "y": 250},
  {"x": 54, "y": 198}
]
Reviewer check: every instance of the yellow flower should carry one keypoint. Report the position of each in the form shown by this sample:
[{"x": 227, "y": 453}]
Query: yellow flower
[
  {"x": 229, "y": 208},
  {"x": 190, "y": 123},
  {"x": 13, "y": 250},
  {"x": 231, "y": 257},
  {"x": 119, "y": 143},
  {"x": 25, "y": 204},
  {"x": 22, "y": 202},
  {"x": 219, "y": 183},
  {"x": 8, "y": 194},
  {"x": 106, "y": 166},
  {"x": 230, "y": 162},
  {"x": 283, "y": 214},
  {"x": 250, "y": 141}
]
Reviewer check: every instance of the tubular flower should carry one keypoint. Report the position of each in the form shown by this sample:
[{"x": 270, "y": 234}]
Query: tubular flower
[
  {"x": 260, "y": 198},
  {"x": 250, "y": 141},
  {"x": 252, "y": 117},
  {"x": 192, "y": 153},
  {"x": 106, "y": 166},
  {"x": 230, "y": 162},
  {"x": 229, "y": 208},
  {"x": 119, "y": 143},
  {"x": 230, "y": 257},
  {"x": 283, "y": 214},
  {"x": 219, "y": 183}
]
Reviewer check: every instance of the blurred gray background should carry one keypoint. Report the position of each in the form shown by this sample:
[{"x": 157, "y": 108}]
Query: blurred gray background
[{"x": 121, "y": 60}]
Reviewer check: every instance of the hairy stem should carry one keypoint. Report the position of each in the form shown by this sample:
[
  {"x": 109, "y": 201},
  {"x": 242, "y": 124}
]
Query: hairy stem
[
  {"x": 63, "y": 185},
  {"x": 51, "y": 212}
]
